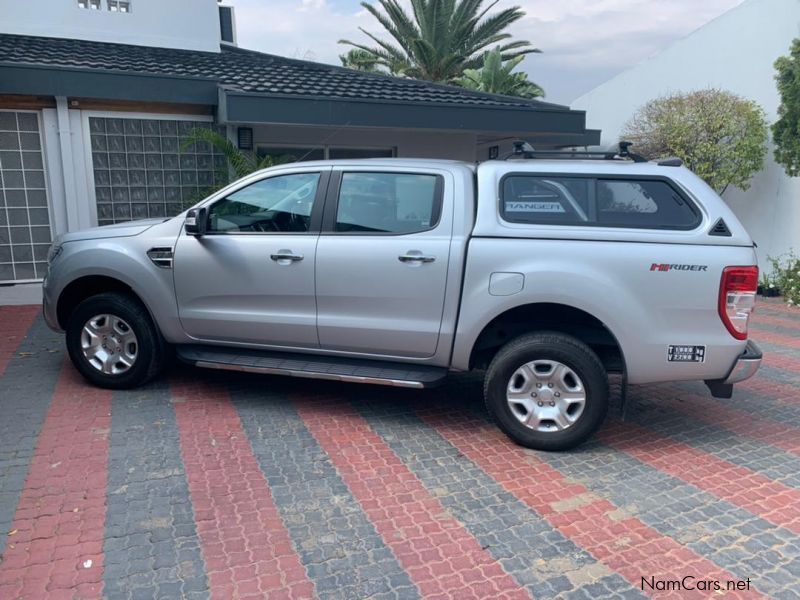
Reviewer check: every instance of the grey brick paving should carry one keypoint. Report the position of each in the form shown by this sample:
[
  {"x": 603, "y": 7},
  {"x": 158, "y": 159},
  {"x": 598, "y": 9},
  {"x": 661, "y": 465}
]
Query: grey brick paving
[
  {"x": 709, "y": 526},
  {"x": 343, "y": 554},
  {"x": 151, "y": 546},
  {"x": 767, "y": 406},
  {"x": 762, "y": 326},
  {"x": 775, "y": 374},
  {"x": 26, "y": 390},
  {"x": 552, "y": 567},
  {"x": 769, "y": 461}
]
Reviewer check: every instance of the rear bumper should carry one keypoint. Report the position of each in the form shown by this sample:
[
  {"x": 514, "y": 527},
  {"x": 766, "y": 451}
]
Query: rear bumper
[{"x": 745, "y": 367}]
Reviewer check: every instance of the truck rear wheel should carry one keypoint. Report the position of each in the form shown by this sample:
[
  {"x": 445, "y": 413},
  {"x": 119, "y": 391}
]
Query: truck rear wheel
[
  {"x": 113, "y": 342},
  {"x": 547, "y": 391}
]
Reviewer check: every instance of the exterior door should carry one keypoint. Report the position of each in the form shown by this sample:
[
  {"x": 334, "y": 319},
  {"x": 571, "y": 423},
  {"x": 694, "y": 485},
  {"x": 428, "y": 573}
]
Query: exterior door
[
  {"x": 382, "y": 262},
  {"x": 250, "y": 278}
]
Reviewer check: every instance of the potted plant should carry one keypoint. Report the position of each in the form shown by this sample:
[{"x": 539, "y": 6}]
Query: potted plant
[{"x": 766, "y": 286}]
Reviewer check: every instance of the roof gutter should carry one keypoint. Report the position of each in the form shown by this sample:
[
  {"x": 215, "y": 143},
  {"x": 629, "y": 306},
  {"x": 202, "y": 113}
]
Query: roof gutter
[
  {"x": 243, "y": 107},
  {"x": 107, "y": 85}
]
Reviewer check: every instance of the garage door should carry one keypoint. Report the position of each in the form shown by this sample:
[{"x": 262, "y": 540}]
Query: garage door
[{"x": 24, "y": 218}]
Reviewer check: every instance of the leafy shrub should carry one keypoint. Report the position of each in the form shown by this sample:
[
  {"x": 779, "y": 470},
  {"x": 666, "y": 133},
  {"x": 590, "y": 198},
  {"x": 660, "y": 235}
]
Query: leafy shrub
[
  {"x": 785, "y": 276},
  {"x": 720, "y": 136},
  {"x": 786, "y": 130}
]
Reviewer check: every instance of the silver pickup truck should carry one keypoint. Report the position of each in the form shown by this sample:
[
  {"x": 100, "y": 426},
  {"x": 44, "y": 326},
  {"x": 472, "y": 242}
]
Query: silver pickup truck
[{"x": 548, "y": 273}]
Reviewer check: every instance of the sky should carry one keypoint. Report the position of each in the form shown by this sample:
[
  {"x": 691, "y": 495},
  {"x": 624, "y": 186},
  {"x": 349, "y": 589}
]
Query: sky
[{"x": 583, "y": 42}]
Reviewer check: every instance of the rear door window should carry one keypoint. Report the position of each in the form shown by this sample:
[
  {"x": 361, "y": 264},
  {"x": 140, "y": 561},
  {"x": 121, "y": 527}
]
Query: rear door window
[
  {"x": 596, "y": 201},
  {"x": 395, "y": 203}
]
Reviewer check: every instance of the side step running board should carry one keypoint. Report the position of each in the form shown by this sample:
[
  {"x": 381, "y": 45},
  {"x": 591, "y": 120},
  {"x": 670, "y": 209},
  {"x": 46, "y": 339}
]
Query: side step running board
[{"x": 314, "y": 367}]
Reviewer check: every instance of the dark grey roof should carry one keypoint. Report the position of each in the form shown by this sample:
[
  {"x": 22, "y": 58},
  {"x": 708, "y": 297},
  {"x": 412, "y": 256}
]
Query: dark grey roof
[{"x": 245, "y": 71}]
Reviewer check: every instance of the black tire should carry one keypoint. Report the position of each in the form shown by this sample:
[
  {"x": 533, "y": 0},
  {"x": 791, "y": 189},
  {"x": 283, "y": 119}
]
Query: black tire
[
  {"x": 152, "y": 350},
  {"x": 547, "y": 346}
]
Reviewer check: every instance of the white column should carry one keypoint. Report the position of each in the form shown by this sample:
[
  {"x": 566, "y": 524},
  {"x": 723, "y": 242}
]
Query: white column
[
  {"x": 67, "y": 163},
  {"x": 81, "y": 143},
  {"x": 54, "y": 172}
]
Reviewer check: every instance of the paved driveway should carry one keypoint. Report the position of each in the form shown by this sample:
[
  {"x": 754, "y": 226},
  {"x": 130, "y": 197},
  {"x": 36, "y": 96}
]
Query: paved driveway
[{"x": 207, "y": 484}]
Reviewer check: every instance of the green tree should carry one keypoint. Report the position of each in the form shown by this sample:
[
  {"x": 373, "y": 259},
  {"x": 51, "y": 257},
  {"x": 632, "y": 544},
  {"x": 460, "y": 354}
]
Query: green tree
[
  {"x": 786, "y": 130},
  {"x": 440, "y": 38},
  {"x": 720, "y": 136},
  {"x": 497, "y": 77},
  {"x": 360, "y": 60}
]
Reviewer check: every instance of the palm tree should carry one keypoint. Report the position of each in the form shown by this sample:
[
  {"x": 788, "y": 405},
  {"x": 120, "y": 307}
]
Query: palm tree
[
  {"x": 495, "y": 77},
  {"x": 360, "y": 60},
  {"x": 240, "y": 163},
  {"x": 441, "y": 38}
]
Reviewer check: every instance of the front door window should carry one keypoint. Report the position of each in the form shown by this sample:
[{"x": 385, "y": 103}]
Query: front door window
[{"x": 276, "y": 205}]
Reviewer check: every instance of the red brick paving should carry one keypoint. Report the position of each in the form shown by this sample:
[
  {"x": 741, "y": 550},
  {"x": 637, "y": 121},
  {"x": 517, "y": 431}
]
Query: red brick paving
[
  {"x": 779, "y": 339},
  {"x": 442, "y": 558},
  {"x": 789, "y": 340},
  {"x": 59, "y": 521},
  {"x": 624, "y": 544},
  {"x": 785, "y": 362},
  {"x": 771, "y": 500},
  {"x": 16, "y": 320},
  {"x": 246, "y": 547}
]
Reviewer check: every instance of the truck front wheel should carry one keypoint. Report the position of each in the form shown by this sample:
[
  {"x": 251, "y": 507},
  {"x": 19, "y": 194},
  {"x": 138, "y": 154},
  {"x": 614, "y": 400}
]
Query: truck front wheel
[
  {"x": 113, "y": 342},
  {"x": 547, "y": 391}
]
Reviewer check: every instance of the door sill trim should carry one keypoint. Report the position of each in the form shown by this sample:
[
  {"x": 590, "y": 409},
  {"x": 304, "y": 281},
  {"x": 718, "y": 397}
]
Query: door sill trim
[{"x": 312, "y": 366}]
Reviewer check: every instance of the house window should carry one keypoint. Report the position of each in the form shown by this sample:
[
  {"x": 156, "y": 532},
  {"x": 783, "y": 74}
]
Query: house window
[
  {"x": 287, "y": 154},
  {"x": 123, "y": 6},
  {"x": 90, "y": 4},
  {"x": 338, "y": 153},
  {"x": 284, "y": 154}
]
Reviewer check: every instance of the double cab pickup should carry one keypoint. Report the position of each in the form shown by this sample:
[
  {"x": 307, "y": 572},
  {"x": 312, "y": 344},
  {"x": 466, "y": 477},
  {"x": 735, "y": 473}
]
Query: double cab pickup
[{"x": 545, "y": 273}]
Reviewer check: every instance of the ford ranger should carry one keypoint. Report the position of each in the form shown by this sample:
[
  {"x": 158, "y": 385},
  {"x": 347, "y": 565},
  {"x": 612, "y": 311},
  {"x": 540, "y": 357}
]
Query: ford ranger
[{"x": 546, "y": 271}]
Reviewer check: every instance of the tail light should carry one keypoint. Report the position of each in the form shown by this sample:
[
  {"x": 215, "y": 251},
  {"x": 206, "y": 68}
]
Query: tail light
[{"x": 737, "y": 298}]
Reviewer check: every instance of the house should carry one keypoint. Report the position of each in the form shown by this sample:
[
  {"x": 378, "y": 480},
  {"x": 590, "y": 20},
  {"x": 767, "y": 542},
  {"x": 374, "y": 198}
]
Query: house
[
  {"x": 96, "y": 95},
  {"x": 734, "y": 52}
]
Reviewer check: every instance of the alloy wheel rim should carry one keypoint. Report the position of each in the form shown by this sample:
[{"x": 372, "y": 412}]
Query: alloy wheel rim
[
  {"x": 546, "y": 396},
  {"x": 109, "y": 344}
]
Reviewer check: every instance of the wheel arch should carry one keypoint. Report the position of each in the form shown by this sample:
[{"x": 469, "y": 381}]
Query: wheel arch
[
  {"x": 86, "y": 286},
  {"x": 547, "y": 316}
]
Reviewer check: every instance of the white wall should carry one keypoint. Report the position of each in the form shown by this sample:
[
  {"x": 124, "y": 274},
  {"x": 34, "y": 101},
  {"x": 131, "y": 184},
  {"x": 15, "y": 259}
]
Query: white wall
[
  {"x": 735, "y": 52},
  {"x": 188, "y": 24},
  {"x": 409, "y": 143}
]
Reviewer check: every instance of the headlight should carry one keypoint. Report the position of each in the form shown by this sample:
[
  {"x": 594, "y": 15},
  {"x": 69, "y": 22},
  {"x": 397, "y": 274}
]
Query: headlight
[{"x": 52, "y": 254}]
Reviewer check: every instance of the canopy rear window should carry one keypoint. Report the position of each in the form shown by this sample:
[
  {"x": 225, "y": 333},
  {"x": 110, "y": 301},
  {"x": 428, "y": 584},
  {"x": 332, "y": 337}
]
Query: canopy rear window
[{"x": 637, "y": 202}]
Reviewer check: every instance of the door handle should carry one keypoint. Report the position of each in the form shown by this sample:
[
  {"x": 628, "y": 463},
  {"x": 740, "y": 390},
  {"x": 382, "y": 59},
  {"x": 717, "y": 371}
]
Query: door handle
[
  {"x": 286, "y": 255},
  {"x": 415, "y": 256}
]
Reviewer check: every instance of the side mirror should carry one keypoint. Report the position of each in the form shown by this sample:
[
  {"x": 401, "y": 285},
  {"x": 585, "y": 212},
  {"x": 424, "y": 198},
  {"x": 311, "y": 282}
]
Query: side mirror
[{"x": 196, "y": 221}]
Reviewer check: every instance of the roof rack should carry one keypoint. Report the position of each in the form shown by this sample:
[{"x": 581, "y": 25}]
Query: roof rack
[{"x": 523, "y": 149}]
